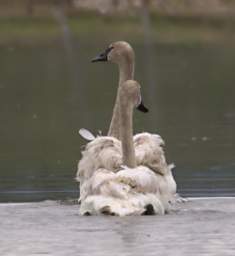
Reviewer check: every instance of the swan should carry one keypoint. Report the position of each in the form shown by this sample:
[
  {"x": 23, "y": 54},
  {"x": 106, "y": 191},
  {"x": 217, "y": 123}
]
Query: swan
[
  {"x": 133, "y": 190},
  {"x": 105, "y": 152},
  {"x": 148, "y": 147}
]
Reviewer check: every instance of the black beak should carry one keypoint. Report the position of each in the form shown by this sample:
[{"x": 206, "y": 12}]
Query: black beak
[
  {"x": 103, "y": 56},
  {"x": 141, "y": 107}
]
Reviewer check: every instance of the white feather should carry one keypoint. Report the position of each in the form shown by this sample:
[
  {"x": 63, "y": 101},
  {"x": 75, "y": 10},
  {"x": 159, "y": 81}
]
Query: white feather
[
  {"x": 105, "y": 152},
  {"x": 126, "y": 192},
  {"x": 85, "y": 134}
]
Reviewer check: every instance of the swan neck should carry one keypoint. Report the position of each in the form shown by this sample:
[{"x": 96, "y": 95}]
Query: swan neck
[
  {"x": 126, "y": 133},
  {"x": 126, "y": 72}
]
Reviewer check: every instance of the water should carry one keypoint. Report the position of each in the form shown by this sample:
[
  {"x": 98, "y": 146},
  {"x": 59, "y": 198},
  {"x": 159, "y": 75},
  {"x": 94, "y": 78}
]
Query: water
[
  {"x": 41, "y": 112},
  {"x": 48, "y": 228}
]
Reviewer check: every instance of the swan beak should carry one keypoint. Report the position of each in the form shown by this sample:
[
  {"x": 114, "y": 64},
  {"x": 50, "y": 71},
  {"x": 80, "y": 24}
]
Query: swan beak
[
  {"x": 103, "y": 56},
  {"x": 100, "y": 57},
  {"x": 141, "y": 107}
]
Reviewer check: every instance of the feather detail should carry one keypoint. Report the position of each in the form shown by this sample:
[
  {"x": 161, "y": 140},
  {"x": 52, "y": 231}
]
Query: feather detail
[{"x": 85, "y": 134}]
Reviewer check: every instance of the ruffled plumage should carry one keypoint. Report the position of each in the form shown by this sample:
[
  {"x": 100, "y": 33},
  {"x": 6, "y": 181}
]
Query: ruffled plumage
[
  {"x": 104, "y": 153},
  {"x": 127, "y": 192}
]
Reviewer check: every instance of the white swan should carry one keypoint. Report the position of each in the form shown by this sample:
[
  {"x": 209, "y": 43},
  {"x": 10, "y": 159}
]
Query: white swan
[
  {"x": 133, "y": 190},
  {"x": 148, "y": 147},
  {"x": 105, "y": 152}
]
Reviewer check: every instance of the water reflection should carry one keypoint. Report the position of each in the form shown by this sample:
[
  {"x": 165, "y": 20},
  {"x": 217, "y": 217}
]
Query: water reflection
[{"x": 194, "y": 111}]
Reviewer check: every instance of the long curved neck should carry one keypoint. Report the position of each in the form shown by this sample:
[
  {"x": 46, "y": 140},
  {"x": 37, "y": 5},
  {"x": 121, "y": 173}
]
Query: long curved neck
[
  {"x": 126, "y": 72},
  {"x": 126, "y": 133}
]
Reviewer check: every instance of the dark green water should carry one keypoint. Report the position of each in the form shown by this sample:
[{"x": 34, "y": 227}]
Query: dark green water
[{"x": 47, "y": 96}]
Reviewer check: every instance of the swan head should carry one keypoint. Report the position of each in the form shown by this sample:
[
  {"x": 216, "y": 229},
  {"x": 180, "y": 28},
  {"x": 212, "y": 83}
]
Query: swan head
[
  {"x": 118, "y": 52},
  {"x": 130, "y": 93}
]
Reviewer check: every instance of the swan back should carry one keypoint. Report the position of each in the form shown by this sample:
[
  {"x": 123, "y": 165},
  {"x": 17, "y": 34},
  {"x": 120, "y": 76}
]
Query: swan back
[
  {"x": 149, "y": 152},
  {"x": 140, "y": 179},
  {"x": 102, "y": 152}
]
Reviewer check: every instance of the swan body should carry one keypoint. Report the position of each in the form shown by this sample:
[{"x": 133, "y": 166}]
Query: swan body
[
  {"x": 117, "y": 189},
  {"x": 127, "y": 183},
  {"x": 105, "y": 152},
  {"x": 126, "y": 192}
]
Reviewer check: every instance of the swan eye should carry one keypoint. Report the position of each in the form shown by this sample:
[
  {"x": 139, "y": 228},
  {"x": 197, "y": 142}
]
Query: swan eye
[{"x": 108, "y": 50}]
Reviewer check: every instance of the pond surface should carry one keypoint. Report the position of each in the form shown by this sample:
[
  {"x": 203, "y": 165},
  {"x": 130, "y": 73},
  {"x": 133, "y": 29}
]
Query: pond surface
[
  {"x": 36, "y": 229},
  {"x": 48, "y": 94}
]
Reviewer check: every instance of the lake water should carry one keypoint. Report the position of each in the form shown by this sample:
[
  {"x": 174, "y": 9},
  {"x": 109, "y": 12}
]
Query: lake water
[
  {"x": 47, "y": 95},
  {"x": 49, "y": 228}
]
